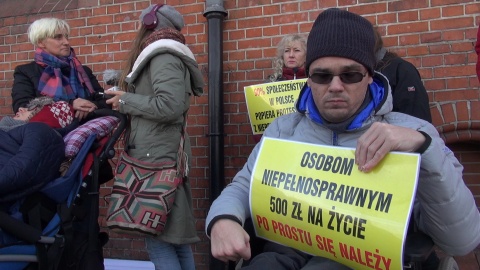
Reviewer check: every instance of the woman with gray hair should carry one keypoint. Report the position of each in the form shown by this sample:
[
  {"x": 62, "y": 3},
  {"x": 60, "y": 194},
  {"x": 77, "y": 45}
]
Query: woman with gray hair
[
  {"x": 289, "y": 63},
  {"x": 55, "y": 72},
  {"x": 159, "y": 78}
]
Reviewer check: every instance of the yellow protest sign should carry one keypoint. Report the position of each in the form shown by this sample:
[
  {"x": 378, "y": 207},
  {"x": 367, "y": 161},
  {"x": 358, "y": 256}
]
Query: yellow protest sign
[
  {"x": 314, "y": 198},
  {"x": 267, "y": 101}
]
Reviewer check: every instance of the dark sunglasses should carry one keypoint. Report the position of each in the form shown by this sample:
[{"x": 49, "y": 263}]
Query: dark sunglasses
[{"x": 345, "y": 77}]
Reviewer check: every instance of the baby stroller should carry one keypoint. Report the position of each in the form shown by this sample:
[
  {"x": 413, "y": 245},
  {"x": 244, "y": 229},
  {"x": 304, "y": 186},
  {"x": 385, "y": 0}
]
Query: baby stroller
[{"x": 57, "y": 227}]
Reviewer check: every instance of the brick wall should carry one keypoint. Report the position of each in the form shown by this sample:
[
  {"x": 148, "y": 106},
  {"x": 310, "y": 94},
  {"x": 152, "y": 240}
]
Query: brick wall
[{"x": 436, "y": 35}]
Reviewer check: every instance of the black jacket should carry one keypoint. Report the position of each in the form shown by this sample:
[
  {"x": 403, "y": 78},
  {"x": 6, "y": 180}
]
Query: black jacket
[
  {"x": 30, "y": 157},
  {"x": 25, "y": 85},
  {"x": 409, "y": 93}
]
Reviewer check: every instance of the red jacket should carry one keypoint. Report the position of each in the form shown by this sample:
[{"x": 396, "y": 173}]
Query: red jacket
[{"x": 477, "y": 49}]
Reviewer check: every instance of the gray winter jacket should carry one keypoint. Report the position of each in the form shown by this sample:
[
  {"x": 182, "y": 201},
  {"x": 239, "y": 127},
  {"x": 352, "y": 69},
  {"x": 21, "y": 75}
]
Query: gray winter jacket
[
  {"x": 164, "y": 77},
  {"x": 445, "y": 208}
]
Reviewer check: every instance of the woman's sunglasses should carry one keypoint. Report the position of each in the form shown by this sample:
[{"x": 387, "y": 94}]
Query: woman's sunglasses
[{"x": 345, "y": 77}]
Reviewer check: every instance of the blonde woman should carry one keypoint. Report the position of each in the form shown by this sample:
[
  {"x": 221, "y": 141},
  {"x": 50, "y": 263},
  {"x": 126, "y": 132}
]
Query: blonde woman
[
  {"x": 55, "y": 71},
  {"x": 289, "y": 63}
]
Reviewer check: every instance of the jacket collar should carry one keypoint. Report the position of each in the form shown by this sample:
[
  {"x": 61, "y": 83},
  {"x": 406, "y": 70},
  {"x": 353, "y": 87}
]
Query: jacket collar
[{"x": 172, "y": 47}]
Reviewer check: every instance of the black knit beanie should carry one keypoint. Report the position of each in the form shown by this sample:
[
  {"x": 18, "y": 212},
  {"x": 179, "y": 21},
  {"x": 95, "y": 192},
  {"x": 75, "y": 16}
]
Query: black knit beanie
[{"x": 341, "y": 33}]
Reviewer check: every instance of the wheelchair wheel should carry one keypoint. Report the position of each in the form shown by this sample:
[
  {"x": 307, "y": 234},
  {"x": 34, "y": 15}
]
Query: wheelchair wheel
[{"x": 448, "y": 263}]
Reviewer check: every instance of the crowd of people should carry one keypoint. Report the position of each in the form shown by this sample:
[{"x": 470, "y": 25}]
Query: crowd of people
[{"x": 358, "y": 94}]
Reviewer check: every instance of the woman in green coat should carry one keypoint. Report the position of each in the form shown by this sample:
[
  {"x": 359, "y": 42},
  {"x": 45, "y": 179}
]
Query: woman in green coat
[{"x": 159, "y": 78}]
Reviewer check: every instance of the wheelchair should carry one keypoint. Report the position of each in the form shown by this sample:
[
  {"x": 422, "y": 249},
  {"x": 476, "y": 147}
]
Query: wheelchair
[{"x": 418, "y": 248}]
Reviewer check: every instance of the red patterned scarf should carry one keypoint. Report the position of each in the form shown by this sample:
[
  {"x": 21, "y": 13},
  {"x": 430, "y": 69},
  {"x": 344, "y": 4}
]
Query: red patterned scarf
[
  {"x": 293, "y": 74},
  {"x": 164, "y": 33},
  {"x": 55, "y": 84}
]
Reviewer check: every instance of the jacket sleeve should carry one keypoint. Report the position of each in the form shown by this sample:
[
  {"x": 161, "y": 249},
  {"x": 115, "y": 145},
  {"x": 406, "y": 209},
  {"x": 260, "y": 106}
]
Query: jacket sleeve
[
  {"x": 98, "y": 100},
  {"x": 234, "y": 199},
  {"x": 446, "y": 209},
  {"x": 167, "y": 75},
  {"x": 23, "y": 89},
  {"x": 409, "y": 93}
]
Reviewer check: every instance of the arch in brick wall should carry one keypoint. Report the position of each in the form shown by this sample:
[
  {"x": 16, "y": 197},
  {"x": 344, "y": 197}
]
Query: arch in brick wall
[{"x": 457, "y": 121}]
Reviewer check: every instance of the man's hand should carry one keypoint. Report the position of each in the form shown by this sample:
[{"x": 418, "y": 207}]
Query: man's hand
[
  {"x": 382, "y": 138},
  {"x": 229, "y": 241},
  {"x": 83, "y": 107}
]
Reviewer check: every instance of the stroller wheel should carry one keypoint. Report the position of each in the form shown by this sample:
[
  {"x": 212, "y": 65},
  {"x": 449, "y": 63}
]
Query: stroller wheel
[{"x": 448, "y": 263}]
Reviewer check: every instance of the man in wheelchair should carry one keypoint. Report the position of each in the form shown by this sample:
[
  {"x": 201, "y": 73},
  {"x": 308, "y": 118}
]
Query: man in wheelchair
[{"x": 345, "y": 103}]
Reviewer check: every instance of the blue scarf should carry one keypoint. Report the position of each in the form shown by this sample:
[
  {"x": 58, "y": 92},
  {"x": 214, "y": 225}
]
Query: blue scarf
[{"x": 307, "y": 103}]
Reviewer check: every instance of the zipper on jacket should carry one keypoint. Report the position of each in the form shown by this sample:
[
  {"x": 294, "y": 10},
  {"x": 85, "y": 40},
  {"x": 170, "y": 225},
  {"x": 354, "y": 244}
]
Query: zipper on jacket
[{"x": 334, "y": 139}]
